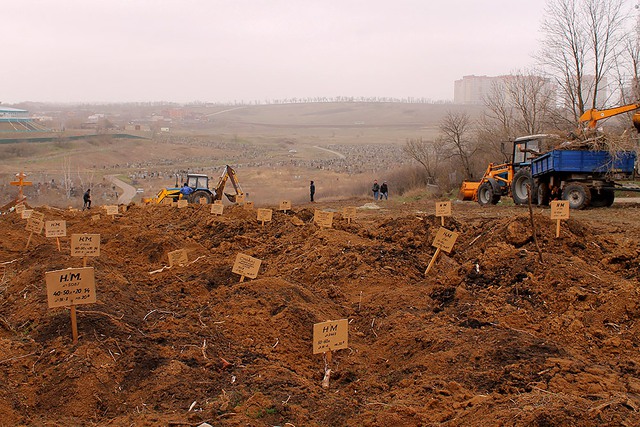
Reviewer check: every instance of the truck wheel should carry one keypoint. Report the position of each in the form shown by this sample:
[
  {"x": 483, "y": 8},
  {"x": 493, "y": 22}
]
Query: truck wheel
[
  {"x": 488, "y": 193},
  {"x": 197, "y": 195},
  {"x": 544, "y": 194},
  {"x": 603, "y": 199},
  {"x": 521, "y": 179},
  {"x": 578, "y": 195}
]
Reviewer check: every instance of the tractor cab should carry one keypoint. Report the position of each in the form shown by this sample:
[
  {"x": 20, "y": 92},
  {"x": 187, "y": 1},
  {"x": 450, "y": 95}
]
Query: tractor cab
[
  {"x": 526, "y": 148},
  {"x": 198, "y": 181}
]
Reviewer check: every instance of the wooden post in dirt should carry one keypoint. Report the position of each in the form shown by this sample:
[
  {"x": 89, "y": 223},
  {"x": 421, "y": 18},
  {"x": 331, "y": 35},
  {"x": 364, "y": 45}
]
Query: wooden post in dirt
[
  {"x": 68, "y": 288},
  {"x": 349, "y": 212},
  {"x": 264, "y": 215},
  {"x": 327, "y": 337},
  {"x": 56, "y": 229},
  {"x": 35, "y": 223},
  {"x": 559, "y": 211},
  {"x": 246, "y": 265},
  {"x": 444, "y": 240},
  {"x": 285, "y": 205},
  {"x": 85, "y": 245},
  {"x": 443, "y": 209},
  {"x": 534, "y": 230},
  {"x": 20, "y": 183}
]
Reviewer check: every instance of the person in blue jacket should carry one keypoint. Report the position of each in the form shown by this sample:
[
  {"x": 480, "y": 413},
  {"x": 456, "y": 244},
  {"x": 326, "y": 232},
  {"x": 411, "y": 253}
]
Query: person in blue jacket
[{"x": 186, "y": 190}]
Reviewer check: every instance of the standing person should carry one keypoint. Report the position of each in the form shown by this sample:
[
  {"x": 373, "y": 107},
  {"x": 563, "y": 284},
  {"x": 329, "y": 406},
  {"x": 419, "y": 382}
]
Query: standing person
[
  {"x": 312, "y": 190},
  {"x": 87, "y": 200},
  {"x": 384, "y": 191},
  {"x": 186, "y": 190},
  {"x": 375, "y": 189}
]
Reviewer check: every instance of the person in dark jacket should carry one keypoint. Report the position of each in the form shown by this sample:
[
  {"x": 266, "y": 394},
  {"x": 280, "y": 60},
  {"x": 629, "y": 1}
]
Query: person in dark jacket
[
  {"x": 312, "y": 190},
  {"x": 384, "y": 191},
  {"x": 375, "y": 189},
  {"x": 86, "y": 198}
]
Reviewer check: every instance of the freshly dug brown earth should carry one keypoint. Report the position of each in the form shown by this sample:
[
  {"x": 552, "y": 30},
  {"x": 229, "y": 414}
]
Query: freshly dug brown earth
[{"x": 491, "y": 336}]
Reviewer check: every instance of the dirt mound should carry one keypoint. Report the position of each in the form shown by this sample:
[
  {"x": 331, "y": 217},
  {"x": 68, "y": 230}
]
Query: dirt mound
[{"x": 490, "y": 337}]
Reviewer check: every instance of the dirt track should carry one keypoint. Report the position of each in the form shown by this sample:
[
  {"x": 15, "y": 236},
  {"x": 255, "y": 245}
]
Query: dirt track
[{"x": 490, "y": 337}]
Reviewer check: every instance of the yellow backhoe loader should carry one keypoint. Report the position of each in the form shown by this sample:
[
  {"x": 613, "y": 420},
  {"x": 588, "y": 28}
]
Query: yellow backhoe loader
[{"x": 199, "y": 185}]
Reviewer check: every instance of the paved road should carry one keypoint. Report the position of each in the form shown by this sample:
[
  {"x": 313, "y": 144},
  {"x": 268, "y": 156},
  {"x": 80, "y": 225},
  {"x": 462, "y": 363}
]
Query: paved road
[
  {"x": 340, "y": 155},
  {"x": 128, "y": 192}
]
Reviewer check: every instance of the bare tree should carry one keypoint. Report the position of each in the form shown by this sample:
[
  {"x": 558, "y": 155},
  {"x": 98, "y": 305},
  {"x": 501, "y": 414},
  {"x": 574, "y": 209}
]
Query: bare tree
[
  {"x": 581, "y": 40},
  {"x": 518, "y": 104},
  {"x": 455, "y": 130},
  {"x": 427, "y": 154}
]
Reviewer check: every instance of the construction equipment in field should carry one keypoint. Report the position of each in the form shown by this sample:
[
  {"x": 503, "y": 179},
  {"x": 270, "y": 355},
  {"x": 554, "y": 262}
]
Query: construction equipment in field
[
  {"x": 591, "y": 117},
  {"x": 199, "y": 185},
  {"x": 506, "y": 179}
]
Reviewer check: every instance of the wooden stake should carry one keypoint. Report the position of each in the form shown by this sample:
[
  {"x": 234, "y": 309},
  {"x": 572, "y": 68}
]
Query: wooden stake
[
  {"x": 534, "y": 231},
  {"x": 558, "y": 229},
  {"x": 58, "y": 241},
  {"x": 349, "y": 220},
  {"x": 29, "y": 240},
  {"x": 327, "y": 369},
  {"x": 74, "y": 325},
  {"x": 262, "y": 223},
  {"x": 84, "y": 261},
  {"x": 442, "y": 221},
  {"x": 433, "y": 260},
  {"x": 241, "y": 278}
]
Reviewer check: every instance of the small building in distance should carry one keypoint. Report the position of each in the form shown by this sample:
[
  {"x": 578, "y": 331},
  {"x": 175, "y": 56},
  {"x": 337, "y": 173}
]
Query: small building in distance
[{"x": 17, "y": 120}]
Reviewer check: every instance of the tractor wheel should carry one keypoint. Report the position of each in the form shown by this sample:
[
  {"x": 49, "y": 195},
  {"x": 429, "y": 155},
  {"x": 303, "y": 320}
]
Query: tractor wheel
[
  {"x": 488, "y": 193},
  {"x": 197, "y": 195},
  {"x": 578, "y": 195},
  {"x": 602, "y": 199},
  {"x": 544, "y": 194},
  {"x": 521, "y": 179}
]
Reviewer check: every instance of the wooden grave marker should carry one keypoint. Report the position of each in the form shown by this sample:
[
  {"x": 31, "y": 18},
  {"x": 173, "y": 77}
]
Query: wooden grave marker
[
  {"x": 203, "y": 201},
  {"x": 111, "y": 210},
  {"x": 285, "y": 205},
  {"x": 240, "y": 199},
  {"x": 178, "y": 257},
  {"x": 349, "y": 212},
  {"x": 20, "y": 183},
  {"x": 444, "y": 240},
  {"x": 57, "y": 229},
  {"x": 20, "y": 208},
  {"x": 264, "y": 215},
  {"x": 95, "y": 218},
  {"x": 182, "y": 203},
  {"x": 323, "y": 218},
  {"x": 217, "y": 202},
  {"x": 71, "y": 287},
  {"x": 559, "y": 211},
  {"x": 26, "y": 213},
  {"x": 35, "y": 224},
  {"x": 85, "y": 245},
  {"x": 217, "y": 208},
  {"x": 443, "y": 209},
  {"x": 248, "y": 205},
  {"x": 327, "y": 337},
  {"x": 168, "y": 201},
  {"x": 246, "y": 266}
]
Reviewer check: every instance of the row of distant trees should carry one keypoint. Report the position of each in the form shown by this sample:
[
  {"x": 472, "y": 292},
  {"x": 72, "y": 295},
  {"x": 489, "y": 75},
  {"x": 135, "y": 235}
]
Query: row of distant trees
[{"x": 585, "y": 44}]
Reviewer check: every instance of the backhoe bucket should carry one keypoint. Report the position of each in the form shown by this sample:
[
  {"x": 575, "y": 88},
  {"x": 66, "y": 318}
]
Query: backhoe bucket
[
  {"x": 231, "y": 197},
  {"x": 469, "y": 190},
  {"x": 636, "y": 121}
]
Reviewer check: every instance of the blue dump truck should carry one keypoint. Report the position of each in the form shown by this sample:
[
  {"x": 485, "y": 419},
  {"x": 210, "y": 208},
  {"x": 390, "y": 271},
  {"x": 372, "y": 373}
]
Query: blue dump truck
[
  {"x": 582, "y": 177},
  {"x": 585, "y": 178}
]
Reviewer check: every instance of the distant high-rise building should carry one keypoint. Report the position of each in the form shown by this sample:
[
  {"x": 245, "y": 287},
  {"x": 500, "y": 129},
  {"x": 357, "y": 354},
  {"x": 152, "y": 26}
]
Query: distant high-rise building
[{"x": 472, "y": 90}]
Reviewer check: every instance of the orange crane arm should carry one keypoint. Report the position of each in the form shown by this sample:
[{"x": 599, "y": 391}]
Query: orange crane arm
[{"x": 592, "y": 116}]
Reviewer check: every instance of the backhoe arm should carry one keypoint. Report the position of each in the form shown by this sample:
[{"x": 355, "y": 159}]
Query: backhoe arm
[{"x": 594, "y": 115}]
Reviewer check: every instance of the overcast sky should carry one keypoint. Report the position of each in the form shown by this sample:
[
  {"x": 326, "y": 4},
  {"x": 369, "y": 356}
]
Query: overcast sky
[{"x": 226, "y": 50}]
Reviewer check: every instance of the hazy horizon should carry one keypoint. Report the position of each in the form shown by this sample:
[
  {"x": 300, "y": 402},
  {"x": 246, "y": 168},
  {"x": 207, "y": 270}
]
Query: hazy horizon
[{"x": 73, "y": 51}]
